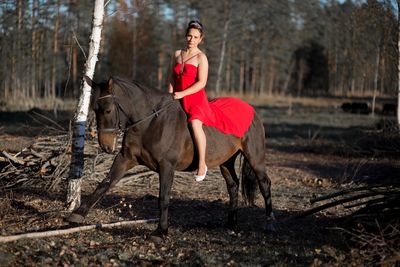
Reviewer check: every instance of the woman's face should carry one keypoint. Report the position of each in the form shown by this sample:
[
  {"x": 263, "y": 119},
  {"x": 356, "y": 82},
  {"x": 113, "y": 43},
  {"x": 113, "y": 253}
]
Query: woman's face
[{"x": 193, "y": 38}]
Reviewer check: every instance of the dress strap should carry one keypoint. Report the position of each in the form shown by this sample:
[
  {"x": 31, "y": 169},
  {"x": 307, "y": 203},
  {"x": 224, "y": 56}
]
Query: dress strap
[
  {"x": 183, "y": 62},
  {"x": 190, "y": 57},
  {"x": 181, "y": 70}
]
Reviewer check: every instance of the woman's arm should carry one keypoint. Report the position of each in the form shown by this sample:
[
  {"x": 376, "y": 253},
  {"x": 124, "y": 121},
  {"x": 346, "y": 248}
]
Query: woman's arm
[
  {"x": 171, "y": 84},
  {"x": 202, "y": 74}
]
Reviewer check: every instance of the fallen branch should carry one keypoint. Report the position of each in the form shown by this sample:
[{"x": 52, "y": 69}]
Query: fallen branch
[
  {"x": 12, "y": 158},
  {"x": 368, "y": 196},
  {"x": 380, "y": 189},
  {"x": 332, "y": 204},
  {"x": 336, "y": 194},
  {"x": 49, "y": 120},
  {"x": 5, "y": 239},
  {"x": 36, "y": 154}
]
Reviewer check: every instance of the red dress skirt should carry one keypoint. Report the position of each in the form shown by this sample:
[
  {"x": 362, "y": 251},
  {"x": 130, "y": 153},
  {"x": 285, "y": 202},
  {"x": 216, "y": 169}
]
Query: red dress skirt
[{"x": 228, "y": 114}]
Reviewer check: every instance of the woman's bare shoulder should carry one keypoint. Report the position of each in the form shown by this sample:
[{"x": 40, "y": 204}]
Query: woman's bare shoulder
[
  {"x": 201, "y": 57},
  {"x": 178, "y": 52}
]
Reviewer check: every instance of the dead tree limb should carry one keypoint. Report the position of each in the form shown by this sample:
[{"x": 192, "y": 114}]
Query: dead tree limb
[
  {"x": 49, "y": 120},
  {"x": 332, "y": 204},
  {"x": 12, "y": 158},
  {"x": 5, "y": 239},
  {"x": 336, "y": 194},
  {"x": 346, "y": 191},
  {"x": 36, "y": 154}
]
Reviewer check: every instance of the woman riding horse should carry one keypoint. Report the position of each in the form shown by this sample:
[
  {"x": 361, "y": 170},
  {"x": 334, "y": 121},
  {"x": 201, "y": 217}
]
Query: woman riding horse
[
  {"x": 189, "y": 77},
  {"x": 156, "y": 135}
]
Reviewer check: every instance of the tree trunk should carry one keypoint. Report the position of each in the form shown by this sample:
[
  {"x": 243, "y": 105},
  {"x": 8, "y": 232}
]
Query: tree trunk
[
  {"x": 223, "y": 48},
  {"x": 134, "y": 39},
  {"x": 78, "y": 136},
  {"x": 55, "y": 52},
  {"x": 160, "y": 68},
  {"x": 241, "y": 74},
  {"x": 74, "y": 65},
  {"x": 262, "y": 77},
  {"x": 33, "y": 85},
  {"x": 398, "y": 67},
  {"x": 300, "y": 77},
  {"x": 16, "y": 58},
  {"x": 228, "y": 70},
  {"x": 378, "y": 55},
  {"x": 271, "y": 79},
  {"x": 288, "y": 76}
]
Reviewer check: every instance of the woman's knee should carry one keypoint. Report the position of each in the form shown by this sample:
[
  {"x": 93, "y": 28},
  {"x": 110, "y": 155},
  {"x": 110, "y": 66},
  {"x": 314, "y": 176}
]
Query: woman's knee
[{"x": 196, "y": 123}]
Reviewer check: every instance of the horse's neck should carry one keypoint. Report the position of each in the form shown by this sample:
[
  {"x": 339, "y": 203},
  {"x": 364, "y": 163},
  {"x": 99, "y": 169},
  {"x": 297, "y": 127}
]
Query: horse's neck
[{"x": 146, "y": 102}]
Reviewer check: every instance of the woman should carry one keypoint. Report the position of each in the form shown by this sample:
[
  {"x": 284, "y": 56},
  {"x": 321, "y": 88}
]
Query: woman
[{"x": 190, "y": 73}]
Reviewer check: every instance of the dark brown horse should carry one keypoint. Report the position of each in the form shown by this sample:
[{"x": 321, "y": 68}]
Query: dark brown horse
[{"x": 156, "y": 134}]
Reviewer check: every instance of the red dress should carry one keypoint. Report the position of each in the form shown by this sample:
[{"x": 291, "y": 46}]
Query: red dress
[{"x": 228, "y": 114}]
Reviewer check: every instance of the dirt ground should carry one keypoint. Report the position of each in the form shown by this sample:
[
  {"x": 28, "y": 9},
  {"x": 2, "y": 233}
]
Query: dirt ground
[{"x": 310, "y": 152}]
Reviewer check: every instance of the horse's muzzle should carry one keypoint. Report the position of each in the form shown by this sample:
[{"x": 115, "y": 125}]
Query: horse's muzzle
[
  {"x": 107, "y": 149},
  {"x": 107, "y": 142}
]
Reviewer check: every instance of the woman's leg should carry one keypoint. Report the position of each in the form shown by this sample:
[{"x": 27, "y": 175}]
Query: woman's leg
[{"x": 200, "y": 140}]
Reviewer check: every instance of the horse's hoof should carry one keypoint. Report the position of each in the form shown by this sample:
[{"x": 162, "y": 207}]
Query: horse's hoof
[
  {"x": 75, "y": 218},
  {"x": 156, "y": 239},
  {"x": 231, "y": 226},
  {"x": 159, "y": 233},
  {"x": 271, "y": 228}
]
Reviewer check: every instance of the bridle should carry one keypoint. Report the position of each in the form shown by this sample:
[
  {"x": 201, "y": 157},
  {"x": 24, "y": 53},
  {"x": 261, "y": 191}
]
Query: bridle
[{"x": 119, "y": 127}]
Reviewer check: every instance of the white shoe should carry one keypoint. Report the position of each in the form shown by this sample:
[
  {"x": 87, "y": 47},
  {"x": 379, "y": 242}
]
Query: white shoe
[{"x": 200, "y": 178}]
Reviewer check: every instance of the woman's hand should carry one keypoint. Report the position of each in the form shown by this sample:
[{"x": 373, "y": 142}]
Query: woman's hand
[{"x": 179, "y": 95}]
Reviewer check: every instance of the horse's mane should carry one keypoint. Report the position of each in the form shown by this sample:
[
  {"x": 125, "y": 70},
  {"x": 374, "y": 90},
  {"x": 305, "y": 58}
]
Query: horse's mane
[{"x": 131, "y": 87}]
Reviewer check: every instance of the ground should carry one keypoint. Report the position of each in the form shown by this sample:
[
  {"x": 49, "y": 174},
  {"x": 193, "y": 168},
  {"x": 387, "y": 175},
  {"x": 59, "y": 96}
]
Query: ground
[{"x": 312, "y": 150}]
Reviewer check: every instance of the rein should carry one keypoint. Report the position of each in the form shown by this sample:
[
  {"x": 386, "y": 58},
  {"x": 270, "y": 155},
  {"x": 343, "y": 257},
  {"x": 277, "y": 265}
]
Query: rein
[{"x": 118, "y": 127}]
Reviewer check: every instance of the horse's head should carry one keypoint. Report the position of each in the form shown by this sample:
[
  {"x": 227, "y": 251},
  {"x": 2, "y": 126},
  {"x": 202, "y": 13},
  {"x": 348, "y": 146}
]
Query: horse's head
[{"x": 105, "y": 105}]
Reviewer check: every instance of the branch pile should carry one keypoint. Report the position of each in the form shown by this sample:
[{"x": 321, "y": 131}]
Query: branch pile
[
  {"x": 366, "y": 203},
  {"x": 372, "y": 212},
  {"x": 45, "y": 164},
  {"x": 34, "y": 165},
  {"x": 381, "y": 246}
]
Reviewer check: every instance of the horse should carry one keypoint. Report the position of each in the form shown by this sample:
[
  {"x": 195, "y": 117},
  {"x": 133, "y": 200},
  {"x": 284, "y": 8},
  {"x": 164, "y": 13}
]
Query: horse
[{"x": 156, "y": 134}]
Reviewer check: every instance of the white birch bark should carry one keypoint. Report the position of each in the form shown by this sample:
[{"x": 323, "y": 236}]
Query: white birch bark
[{"x": 78, "y": 137}]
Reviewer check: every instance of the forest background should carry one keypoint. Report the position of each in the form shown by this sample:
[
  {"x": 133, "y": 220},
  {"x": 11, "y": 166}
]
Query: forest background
[{"x": 258, "y": 47}]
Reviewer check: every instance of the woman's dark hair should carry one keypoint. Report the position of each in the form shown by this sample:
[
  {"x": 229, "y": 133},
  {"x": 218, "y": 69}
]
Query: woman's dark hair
[{"x": 195, "y": 24}]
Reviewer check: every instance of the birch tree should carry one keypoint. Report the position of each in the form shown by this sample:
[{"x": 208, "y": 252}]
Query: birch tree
[{"x": 78, "y": 136}]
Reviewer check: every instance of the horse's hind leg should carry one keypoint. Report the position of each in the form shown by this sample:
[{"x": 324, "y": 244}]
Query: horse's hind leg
[
  {"x": 254, "y": 151},
  {"x": 117, "y": 171},
  {"x": 232, "y": 183},
  {"x": 264, "y": 184}
]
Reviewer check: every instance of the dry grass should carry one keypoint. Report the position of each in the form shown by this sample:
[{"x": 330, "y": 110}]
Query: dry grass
[
  {"x": 46, "y": 104},
  {"x": 375, "y": 248}
]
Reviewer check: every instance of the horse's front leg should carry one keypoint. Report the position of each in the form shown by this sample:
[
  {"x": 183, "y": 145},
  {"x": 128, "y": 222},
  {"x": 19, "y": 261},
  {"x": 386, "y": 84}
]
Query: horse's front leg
[
  {"x": 120, "y": 165},
  {"x": 166, "y": 177}
]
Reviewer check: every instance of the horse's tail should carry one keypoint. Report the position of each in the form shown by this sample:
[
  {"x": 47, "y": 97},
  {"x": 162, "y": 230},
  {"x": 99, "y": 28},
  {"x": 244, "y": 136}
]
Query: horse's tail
[{"x": 249, "y": 182}]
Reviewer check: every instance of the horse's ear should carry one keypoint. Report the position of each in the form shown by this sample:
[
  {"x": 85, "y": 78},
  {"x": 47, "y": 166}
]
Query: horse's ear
[
  {"x": 110, "y": 86},
  {"x": 89, "y": 81},
  {"x": 95, "y": 92}
]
